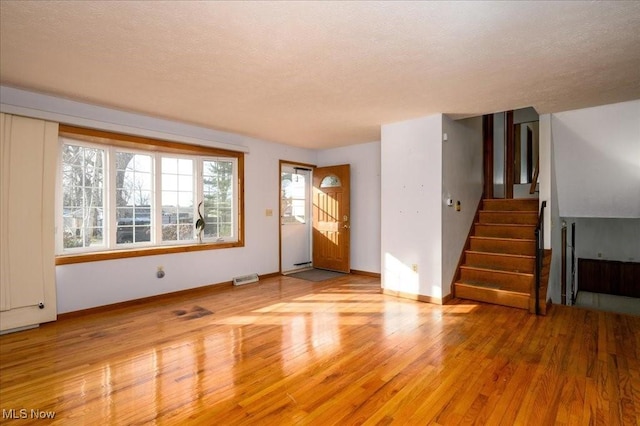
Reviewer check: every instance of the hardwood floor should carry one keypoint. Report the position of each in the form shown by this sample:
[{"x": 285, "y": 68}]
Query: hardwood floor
[{"x": 286, "y": 351}]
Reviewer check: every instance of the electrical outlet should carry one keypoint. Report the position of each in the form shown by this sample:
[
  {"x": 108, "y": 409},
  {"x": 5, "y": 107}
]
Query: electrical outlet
[
  {"x": 268, "y": 212},
  {"x": 414, "y": 267}
]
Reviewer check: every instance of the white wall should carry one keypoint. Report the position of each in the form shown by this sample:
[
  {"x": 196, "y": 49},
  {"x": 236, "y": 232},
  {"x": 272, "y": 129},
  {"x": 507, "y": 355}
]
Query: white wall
[
  {"x": 522, "y": 191},
  {"x": 462, "y": 178},
  {"x": 606, "y": 238},
  {"x": 411, "y": 194},
  {"x": 597, "y": 160},
  {"x": 590, "y": 173},
  {"x": 419, "y": 172},
  {"x": 86, "y": 285},
  {"x": 544, "y": 176},
  {"x": 365, "y": 200},
  {"x": 525, "y": 115},
  {"x": 553, "y": 228}
]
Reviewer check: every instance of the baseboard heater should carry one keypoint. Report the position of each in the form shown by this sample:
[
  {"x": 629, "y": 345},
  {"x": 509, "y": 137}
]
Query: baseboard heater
[{"x": 246, "y": 279}]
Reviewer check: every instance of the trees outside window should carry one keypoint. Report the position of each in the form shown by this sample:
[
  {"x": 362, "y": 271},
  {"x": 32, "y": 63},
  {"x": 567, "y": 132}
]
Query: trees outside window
[
  {"x": 83, "y": 196},
  {"x": 218, "y": 198}
]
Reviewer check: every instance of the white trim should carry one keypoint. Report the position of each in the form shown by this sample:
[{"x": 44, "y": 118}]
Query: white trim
[{"x": 35, "y": 105}]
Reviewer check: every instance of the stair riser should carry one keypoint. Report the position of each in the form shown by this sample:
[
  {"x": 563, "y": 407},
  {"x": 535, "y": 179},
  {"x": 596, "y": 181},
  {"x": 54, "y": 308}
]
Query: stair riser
[
  {"x": 505, "y": 263},
  {"x": 506, "y": 281},
  {"x": 520, "y": 218},
  {"x": 511, "y": 205},
  {"x": 492, "y": 296},
  {"x": 508, "y": 247},
  {"x": 505, "y": 231}
]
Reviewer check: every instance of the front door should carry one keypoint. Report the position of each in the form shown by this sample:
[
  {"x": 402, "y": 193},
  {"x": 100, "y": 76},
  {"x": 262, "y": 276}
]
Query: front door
[{"x": 331, "y": 218}]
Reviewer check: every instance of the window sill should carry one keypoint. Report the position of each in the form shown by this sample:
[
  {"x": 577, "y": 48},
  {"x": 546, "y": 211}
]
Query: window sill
[{"x": 68, "y": 259}]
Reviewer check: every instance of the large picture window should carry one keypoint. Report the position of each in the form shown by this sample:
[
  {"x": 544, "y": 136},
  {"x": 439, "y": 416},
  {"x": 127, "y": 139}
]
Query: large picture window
[{"x": 122, "y": 194}]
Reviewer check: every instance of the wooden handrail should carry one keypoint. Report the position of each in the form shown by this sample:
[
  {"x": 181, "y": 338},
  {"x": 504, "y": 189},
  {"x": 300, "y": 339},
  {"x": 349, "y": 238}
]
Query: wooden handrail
[
  {"x": 539, "y": 253},
  {"x": 534, "y": 178}
]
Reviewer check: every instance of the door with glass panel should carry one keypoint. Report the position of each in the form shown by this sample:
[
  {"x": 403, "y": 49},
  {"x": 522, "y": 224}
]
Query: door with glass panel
[
  {"x": 331, "y": 218},
  {"x": 295, "y": 217}
]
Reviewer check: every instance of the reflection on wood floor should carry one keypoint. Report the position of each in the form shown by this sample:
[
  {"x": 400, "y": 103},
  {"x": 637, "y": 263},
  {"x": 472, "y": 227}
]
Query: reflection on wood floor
[{"x": 287, "y": 351}]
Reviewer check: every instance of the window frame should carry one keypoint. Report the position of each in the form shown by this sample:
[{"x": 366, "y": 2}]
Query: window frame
[{"x": 112, "y": 142}]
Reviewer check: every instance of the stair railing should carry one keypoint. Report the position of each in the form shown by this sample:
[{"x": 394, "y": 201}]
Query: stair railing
[
  {"x": 539, "y": 253},
  {"x": 534, "y": 179}
]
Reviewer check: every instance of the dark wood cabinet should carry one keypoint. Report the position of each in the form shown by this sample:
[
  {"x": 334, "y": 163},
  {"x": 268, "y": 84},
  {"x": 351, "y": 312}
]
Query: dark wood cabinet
[{"x": 609, "y": 276}]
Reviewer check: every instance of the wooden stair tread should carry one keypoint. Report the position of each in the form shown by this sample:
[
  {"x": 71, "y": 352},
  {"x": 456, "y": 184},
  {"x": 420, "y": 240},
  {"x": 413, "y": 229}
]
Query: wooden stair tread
[
  {"x": 500, "y": 261},
  {"x": 498, "y": 271},
  {"x": 490, "y": 253},
  {"x": 487, "y": 293},
  {"x": 488, "y": 286},
  {"x": 503, "y": 239},
  {"x": 524, "y": 217},
  {"x": 498, "y": 268},
  {"x": 518, "y": 225},
  {"x": 511, "y": 211}
]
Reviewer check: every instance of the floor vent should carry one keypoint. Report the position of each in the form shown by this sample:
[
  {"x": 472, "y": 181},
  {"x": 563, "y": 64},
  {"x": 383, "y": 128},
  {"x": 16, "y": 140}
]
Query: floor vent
[{"x": 246, "y": 279}]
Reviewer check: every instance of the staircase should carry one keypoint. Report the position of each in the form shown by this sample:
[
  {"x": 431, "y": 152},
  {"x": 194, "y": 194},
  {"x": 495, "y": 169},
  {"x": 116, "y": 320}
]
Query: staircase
[{"x": 499, "y": 263}]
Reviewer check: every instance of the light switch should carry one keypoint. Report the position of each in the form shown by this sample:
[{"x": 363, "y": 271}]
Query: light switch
[{"x": 268, "y": 212}]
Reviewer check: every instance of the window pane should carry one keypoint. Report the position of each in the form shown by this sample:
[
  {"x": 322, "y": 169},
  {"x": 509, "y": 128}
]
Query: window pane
[
  {"x": 330, "y": 182},
  {"x": 133, "y": 197},
  {"x": 224, "y": 215},
  {"x": 83, "y": 196},
  {"x": 169, "y": 182},
  {"x": 185, "y": 167},
  {"x": 293, "y": 204},
  {"x": 169, "y": 165},
  {"x": 185, "y": 183},
  {"x": 143, "y": 163},
  {"x": 185, "y": 199},
  {"x": 177, "y": 199},
  {"x": 218, "y": 197}
]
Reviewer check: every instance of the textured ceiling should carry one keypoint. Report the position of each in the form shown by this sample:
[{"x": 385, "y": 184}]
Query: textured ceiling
[{"x": 322, "y": 74}]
